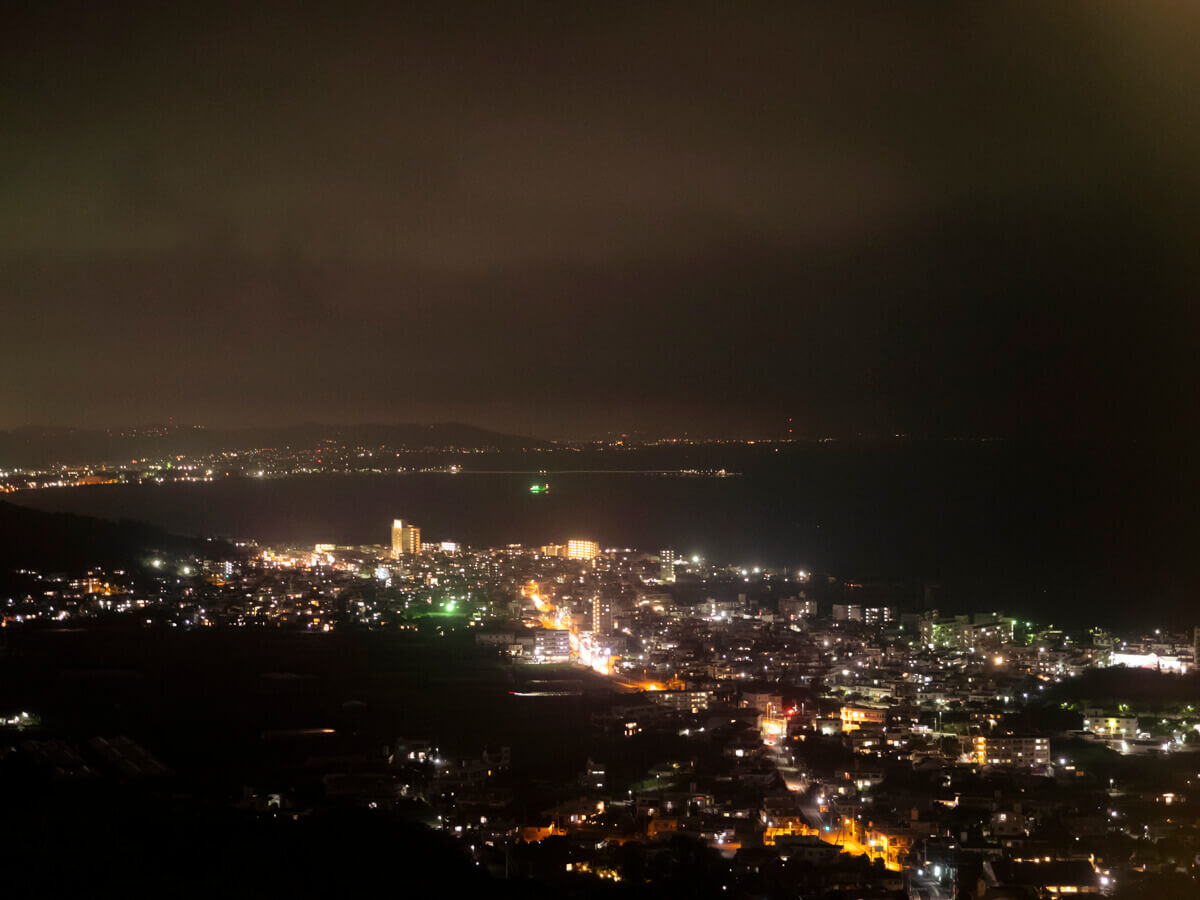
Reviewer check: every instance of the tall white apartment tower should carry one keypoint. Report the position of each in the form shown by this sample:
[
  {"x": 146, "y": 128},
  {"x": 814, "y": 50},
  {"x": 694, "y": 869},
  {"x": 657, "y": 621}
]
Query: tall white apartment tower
[
  {"x": 406, "y": 538},
  {"x": 666, "y": 560}
]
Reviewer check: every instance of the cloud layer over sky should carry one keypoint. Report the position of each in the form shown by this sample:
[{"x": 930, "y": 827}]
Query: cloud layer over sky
[{"x": 948, "y": 219}]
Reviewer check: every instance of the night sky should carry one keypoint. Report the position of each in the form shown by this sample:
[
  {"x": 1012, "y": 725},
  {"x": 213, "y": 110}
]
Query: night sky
[{"x": 955, "y": 219}]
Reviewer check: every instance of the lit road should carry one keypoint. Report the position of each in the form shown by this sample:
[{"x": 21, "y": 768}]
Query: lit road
[{"x": 811, "y": 813}]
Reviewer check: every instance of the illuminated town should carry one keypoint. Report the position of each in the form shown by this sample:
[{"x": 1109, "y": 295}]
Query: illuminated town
[
  {"x": 805, "y": 725},
  {"x": 240, "y": 458},
  {"x": 600, "y": 451}
]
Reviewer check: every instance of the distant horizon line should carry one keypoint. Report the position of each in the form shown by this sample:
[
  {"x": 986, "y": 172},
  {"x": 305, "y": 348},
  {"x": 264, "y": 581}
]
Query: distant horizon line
[
  {"x": 634, "y": 436},
  {"x": 611, "y": 436}
]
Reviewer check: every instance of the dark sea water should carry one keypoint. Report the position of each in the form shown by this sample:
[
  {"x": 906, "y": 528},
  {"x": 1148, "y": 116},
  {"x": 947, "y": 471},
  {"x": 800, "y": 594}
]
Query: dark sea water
[{"x": 1069, "y": 531}]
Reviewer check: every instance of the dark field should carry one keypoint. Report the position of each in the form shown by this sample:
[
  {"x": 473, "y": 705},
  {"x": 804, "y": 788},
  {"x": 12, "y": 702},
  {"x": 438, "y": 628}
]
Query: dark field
[{"x": 222, "y": 706}]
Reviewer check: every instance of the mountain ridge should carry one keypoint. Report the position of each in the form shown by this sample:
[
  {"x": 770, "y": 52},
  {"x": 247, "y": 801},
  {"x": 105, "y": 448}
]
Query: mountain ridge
[{"x": 32, "y": 446}]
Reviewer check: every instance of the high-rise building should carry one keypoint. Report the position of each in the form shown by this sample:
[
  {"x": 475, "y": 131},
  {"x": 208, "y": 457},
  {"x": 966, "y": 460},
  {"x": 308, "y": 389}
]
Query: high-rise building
[
  {"x": 925, "y": 627},
  {"x": 602, "y": 615},
  {"x": 406, "y": 538},
  {"x": 666, "y": 559},
  {"x": 582, "y": 549}
]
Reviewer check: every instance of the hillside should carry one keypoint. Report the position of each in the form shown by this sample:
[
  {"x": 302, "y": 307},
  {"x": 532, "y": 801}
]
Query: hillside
[{"x": 71, "y": 544}]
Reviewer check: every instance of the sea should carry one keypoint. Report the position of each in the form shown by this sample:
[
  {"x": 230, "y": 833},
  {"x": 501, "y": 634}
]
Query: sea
[{"x": 1076, "y": 532}]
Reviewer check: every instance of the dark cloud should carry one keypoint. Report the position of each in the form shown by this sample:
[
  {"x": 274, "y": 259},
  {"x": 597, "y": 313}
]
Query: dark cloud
[{"x": 945, "y": 220}]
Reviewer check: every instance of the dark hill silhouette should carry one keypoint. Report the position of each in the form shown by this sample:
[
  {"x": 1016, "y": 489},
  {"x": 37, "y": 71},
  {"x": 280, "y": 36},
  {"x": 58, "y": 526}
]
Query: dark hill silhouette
[{"x": 71, "y": 544}]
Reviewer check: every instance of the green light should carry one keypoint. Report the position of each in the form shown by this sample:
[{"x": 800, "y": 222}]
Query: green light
[
  {"x": 450, "y": 606},
  {"x": 539, "y": 488}
]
